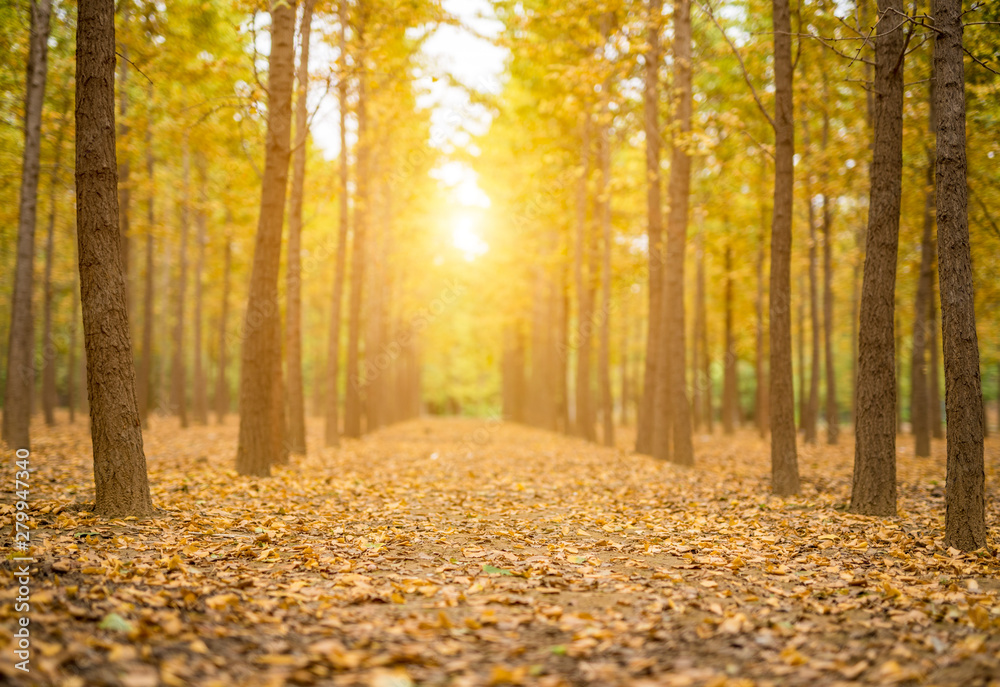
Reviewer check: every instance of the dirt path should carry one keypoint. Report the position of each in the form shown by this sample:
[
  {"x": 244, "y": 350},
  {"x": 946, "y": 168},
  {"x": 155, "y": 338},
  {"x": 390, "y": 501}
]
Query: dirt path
[{"x": 468, "y": 552}]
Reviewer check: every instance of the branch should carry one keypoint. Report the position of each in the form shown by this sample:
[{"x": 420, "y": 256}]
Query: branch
[
  {"x": 746, "y": 76},
  {"x": 986, "y": 212},
  {"x": 136, "y": 67},
  {"x": 980, "y": 62}
]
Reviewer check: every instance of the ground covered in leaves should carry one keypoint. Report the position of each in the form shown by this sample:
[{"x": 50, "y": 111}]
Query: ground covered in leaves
[{"x": 465, "y": 552}]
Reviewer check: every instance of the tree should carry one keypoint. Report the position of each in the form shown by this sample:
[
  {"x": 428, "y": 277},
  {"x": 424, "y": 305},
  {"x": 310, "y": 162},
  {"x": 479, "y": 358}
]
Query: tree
[
  {"x": 874, "y": 487},
  {"x": 810, "y": 419},
  {"x": 965, "y": 521},
  {"x": 261, "y": 359},
  {"x": 654, "y": 223},
  {"x": 145, "y": 382},
  {"x": 832, "y": 411},
  {"x": 293, "y": 274},
  {"x": 584, "y": 299},
  {"x": 332, "y": 434},
  {"x": 784, "y": 457},
  {"x": 200, "y": 400},
  {"x": 730, "y": 412},
  {"x": 20, "y": 371},
  {"x": 121, "y": 484},
  {"x": 178, "y": 371},
  {"x": 604, "y": 201},
  {"x": 221, "y": 383}
]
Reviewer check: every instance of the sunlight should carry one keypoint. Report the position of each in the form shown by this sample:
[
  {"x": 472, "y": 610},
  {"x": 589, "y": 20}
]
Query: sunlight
[{"x": 465, "y": 238}]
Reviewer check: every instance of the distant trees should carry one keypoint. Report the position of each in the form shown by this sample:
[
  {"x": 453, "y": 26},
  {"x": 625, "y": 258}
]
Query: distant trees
[
  {"x": 120, "y": 478},
  {"x": 20, "y": 366}
]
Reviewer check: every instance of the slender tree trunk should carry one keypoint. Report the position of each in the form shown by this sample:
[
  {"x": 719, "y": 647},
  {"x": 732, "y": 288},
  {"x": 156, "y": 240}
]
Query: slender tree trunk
[
  {"x": 604, "y": 153},
  {"x": 801, "y": 351},
  {"x": 354, "y": 400},
  {"x": 200, "y": 406},
  {"x": 832, "y": 411},
  {"x": 965, "y": 522},
  {"x": 855, "y": 318},
  {"x": 623, "y": 356},
  {"x": 71, "y": 386},
  {"x": 332, "y": 430},
  {"x": 49, "y": 399},
  {"x": 178, "y": 371},
  {"x": 293, "y": 270},
  {"x": 145, "y": 382},
  {"x": 898, "y": 352},
  {"x": 934, "y": 391},
  {"x": 730, "y": 414},
  {"x": 761, "y": 410},
  {"x": 258, "y": 446},
  {"x": 920, "y": 416},
  {"x": 121, "y": 484},
  {"x": 784, "y": 457},
  {"x": 20, "y": 370},
  {"x": 702, "y": 394},
  {"x": 811, "y": 417},
  {"x": 874, "y": 489},
  {"x": 654, "y": 225},
  {"x": 584, "y": 415},
  {"x": 221, "y": 383},
  {"x": 124, "y": 168}
]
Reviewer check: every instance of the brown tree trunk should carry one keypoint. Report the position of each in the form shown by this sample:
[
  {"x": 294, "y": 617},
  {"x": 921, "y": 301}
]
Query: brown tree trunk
[
  {"x": 874, "y": 488},
  {"x": 121, "y": 484},
  {"x": 604, "y": 356},
  {"x": 832, "y": 411},
  {"x": 178, "y": 370},
  {"x": 261, "y": 365},
  {"x": 920, "y": 416},
  {"x": 582, "y": 342},
  {"x": 623, "y": 358},
  {"x": 49, "y": 350},
  {"x": 71, "y": 385},
  {"x": 200, "y": 405},
  {"x": 934, "y": 387},
  {"x": 654, "y": 225},
  {"x": 125, "y": 168},
  {"x": 353, "y": 402},
  {"x": 811, "y": 417},
  {"x": 20, "y": 370},
  {"x": 293, "y": 270},
  {"x": 965, "y": 522},
  {"x": 702, "y": 392},
  {"x": 801, "y": 351},
  {"x": 221, "y": 383},
  {"x": 145, "y": 381},
  {"x": 730, "y": 414},
  {"x": 761, "y": 410},
  {"x": 784, "y": 457},
  {"x": 332, "y": 429}
]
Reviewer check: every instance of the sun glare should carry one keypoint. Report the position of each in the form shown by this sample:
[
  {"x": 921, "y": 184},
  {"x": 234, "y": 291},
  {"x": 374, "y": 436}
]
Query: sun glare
[{"x": 465, "y": 238}]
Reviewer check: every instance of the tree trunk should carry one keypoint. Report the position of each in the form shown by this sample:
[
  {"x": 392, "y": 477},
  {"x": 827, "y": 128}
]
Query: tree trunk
[
  {"x": 801, "y": 350},
  {"x": 332, "y": 430},
  {"x": 623, "y": 356},
  {"x": 965, "y": 522},
  {"x": 761, "y": 410},
  {"x": 582, "y": 344},
  {"x": 49, "y": 350},
  {"x": 730, "y": 414},
  {"x": 261, "y": 365},
  {"x": 677, "y": 408},
  {"x": 811, "y": 417},
  {"x": 221, "y": 383},
  {"x": 934, "y": 390},
  {"x": 178, "y": 371},
  {"x": 200, "y": 405},
  {"x": 702, "y": 396},
  {"x": 654, "y": 225},
  {"x": 604, "y": 363},
  {"x": 124, "y": 168},
  {"x": 832, "y": 412},
  {"x": 784, "y": 458},
  {"x": 293, "y": 271},
  {"x": 920, "y": 416},
  {"x": 71, "y": 385},
  {"x": 145, "y": 382},
  {"x": 121, "y": 484},
  {"x": 20, "y": 370},
  {"x": 874, "y": 489},
  {"x": 354, "y": 400}
]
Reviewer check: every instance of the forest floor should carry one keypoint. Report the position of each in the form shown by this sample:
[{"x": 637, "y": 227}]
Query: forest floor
[{"x": 467, "y": 552}]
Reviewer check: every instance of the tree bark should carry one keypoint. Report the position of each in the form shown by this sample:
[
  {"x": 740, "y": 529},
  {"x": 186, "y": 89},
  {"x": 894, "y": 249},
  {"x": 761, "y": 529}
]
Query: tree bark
[
  {"x": 261, "y": 365},
  {"x": 584, "y": 412},
  {"x": 654, "y": 226},
  {"x": 832, "y": 411},
  {"x": 353, "y": 402},
  {"x": 920, "y": 416},
  {"x": 965, "y": 521},
  {"x": 178, "y": 371},
  {"x": 145, "y": 382},
  {"x": 121, "y": 484},
  {"x": 761, "y": 402},
  {"x": 730, "y": 414},
  {"x": 293, "y": 271},
  {"x": 784, "y": 457},
  {"x": 200, "y": 404},
  {"x": 811, "y": 416},
  {"x": 801, "y": 351},
  {"x": 49, "y": 350},
  {"x": 874, "y": 487},
  {"x": 332, "y": 430},
  {"x": 702, "y": 396},
  {"x": 20, "y": 370},
  {"x": 124, "y": 168},
  {"x": 71, "y": 385},
  {"x": 604, "y": 364},
  {"x": 934, "y": 392},
  {"x": 221, "y": 383}
]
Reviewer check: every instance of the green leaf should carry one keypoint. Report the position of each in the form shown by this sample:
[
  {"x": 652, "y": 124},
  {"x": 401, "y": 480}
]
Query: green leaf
[
  {"x": 493, "y": 570},
  {"x": 115, "y": 623}
]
